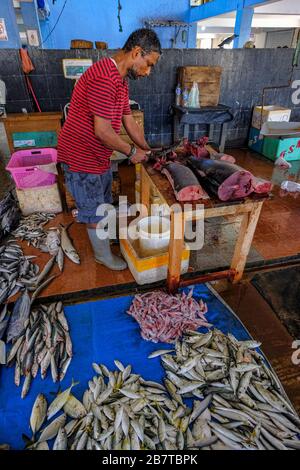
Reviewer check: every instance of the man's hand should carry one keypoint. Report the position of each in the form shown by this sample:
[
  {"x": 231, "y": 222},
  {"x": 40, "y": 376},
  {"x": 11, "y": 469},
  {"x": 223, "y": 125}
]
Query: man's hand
[{"x": 140, "y": 156}]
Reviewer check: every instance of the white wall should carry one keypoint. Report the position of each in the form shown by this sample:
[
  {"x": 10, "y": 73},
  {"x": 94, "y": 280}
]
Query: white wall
[
  {"x": 279, "y": 38},
  {"x": 260, "y": 40}
]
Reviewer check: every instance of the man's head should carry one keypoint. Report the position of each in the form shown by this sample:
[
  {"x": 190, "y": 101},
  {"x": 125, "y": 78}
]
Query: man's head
[{"x": 144, "y": 50}]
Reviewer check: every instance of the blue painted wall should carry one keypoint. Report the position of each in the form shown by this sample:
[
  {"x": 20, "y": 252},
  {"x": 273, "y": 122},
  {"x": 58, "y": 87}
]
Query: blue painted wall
[
  {"x": 29, "y": 13},
  {"x": 30, "y": 17},
  {"x": 96, "y": 20},
  {"x": 7, "y": 12}
]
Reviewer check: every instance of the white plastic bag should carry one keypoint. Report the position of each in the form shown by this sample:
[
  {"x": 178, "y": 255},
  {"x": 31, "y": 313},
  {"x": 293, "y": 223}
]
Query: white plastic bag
[
  {"x": 194, "y": 96},
  {"x": 290, "y": 186}
]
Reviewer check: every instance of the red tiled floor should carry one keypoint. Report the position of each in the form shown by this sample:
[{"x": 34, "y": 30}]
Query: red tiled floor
[{"x": 278, "y": 229}]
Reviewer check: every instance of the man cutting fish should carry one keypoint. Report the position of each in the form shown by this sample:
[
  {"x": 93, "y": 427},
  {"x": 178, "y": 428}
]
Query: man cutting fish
[{"x": 99, "y": 106}]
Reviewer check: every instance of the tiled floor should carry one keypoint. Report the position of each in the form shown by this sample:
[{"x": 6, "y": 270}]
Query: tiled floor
[
  {"x": 277, "y": 236},
  {"x": 277, "y": 233}
]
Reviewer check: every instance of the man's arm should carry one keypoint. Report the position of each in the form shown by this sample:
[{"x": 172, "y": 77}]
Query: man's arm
[
  {"x": 134, "y": 131},
  {"x": 107, "y": 135}
]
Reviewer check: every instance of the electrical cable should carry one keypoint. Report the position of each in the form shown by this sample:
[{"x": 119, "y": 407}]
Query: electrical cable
[{"x": 55, "y": 23}]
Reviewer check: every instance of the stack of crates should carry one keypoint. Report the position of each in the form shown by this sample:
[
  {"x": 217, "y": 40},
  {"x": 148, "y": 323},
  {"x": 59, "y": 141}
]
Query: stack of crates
[{"x": 259, "y": 117}]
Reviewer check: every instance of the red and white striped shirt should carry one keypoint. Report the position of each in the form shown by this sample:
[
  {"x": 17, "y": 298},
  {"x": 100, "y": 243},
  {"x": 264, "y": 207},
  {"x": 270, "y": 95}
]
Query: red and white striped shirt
[{"x": 101, "y": 91}]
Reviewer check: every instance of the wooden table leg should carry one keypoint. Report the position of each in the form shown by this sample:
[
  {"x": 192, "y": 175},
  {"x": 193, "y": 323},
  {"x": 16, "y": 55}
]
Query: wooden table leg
[
  {"x": 176, "y": 124},
  {"x": 145, "y": 188},
  {"x": 176, "y": 247},
  {"x": 211, "y": 132},
  {"x": 244, "y": 241}
]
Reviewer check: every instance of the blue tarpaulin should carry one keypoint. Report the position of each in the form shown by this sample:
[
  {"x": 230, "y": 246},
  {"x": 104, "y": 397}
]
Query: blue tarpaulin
[{"x": 101, "y": 331}]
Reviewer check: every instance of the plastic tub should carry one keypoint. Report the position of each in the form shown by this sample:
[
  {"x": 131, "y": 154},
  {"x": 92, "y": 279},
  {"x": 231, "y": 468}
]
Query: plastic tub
[
  {"x": 154, "y": 234},
  {"x": 30, "y": 168}
]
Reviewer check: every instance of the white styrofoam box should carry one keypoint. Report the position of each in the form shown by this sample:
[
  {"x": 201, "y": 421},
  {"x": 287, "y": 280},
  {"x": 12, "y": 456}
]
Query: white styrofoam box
[
  {"x": 280, "y": 129},
  {"x": 270, "y": 113},
  {"x": 149, "y": 269}
]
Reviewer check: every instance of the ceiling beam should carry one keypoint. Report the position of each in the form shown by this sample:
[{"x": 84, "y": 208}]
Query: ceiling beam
[{"x": 219, "y": 7}]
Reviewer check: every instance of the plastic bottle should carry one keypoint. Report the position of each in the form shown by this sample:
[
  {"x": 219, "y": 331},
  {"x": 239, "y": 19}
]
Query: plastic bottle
[
  {"x": 178, "y": 95},
  {"x": 290, "y": 186},
  {"x": 193, "y": 100},
  {"x": 185, "y": 97}
]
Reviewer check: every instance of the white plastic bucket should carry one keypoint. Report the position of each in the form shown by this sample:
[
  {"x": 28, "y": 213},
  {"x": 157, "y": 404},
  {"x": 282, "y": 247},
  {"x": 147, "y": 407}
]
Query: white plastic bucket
[{"x": 154, "y": 234}]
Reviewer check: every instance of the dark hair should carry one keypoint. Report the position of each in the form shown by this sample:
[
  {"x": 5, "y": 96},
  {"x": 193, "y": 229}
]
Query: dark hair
[{"x": 145, "y": 38}]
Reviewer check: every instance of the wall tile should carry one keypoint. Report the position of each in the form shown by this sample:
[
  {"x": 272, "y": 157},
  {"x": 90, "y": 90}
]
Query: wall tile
[
  {"x": 17, "y": 106},
  {"x": 245, "y": 73}
]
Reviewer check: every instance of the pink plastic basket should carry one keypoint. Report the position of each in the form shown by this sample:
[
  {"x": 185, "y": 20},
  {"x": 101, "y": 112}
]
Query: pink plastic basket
[{"x": 23, "y": 167}]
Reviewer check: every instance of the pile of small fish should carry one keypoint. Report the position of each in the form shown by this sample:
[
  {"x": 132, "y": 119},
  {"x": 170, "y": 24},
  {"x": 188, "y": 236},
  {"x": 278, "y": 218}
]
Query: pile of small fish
[
  {"x": 18, "y": 273},
  {"x": 30, "y": 228},
  {"x": 41, "y": 339},
  {"x": 4, "y": 447},
  {"x": 16, "y": 270},
  {"x": 9, "y": 214},
  {"x": 164, "y": 317},
  {"x": 120, "y": 411},
  {"x": 242, "y": 400},
  {"x": 55, "y": 241}
]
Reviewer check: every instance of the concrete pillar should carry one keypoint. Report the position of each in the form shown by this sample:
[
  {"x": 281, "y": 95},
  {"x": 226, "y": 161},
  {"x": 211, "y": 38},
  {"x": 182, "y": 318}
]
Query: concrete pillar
[
  {"x": 243, "y": 24},
  {"x": 192, "y": 36}
]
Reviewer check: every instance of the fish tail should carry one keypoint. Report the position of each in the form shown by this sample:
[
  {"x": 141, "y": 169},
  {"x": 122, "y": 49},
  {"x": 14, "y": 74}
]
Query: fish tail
[
  {"x": 65, "y": 227},
  {"x": 74, "y": 383}
]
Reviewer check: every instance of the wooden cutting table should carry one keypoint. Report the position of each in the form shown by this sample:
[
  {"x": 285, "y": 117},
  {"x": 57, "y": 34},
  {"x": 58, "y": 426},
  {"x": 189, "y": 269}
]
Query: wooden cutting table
[{"x": 249, "y": 208}]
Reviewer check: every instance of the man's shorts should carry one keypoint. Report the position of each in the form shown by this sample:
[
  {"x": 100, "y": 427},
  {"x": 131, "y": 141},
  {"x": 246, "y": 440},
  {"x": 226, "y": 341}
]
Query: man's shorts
[{"x": 89, "y": 191}]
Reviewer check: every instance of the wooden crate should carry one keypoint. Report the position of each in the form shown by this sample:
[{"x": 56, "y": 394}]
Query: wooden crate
[
  {"x": 208, "y": 79},
  {"x": 81, "y": 44},
  {"x": 30, "y": 126},
  {"x": 139, "y": 119},
  {"x": 101, "y": 45}
]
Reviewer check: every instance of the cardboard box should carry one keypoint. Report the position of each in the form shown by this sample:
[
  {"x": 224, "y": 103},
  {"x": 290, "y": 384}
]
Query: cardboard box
[{"x": 270, "y": 113}]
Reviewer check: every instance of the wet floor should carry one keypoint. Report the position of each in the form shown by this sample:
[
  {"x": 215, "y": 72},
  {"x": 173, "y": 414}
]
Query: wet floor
[
  {"x": 264, "y": 325},
  {"x": 277, "y": 236}
]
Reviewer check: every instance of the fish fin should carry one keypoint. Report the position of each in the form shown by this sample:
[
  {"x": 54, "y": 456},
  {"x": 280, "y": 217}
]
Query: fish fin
[{"x": 27, "y": 441}]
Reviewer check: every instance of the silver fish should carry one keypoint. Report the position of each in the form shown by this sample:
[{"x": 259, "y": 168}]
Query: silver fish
[
  {"x": 38, "y": 413},
  {"x": 68, "y": 247},
  {"x": 50, "y": 431}
]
